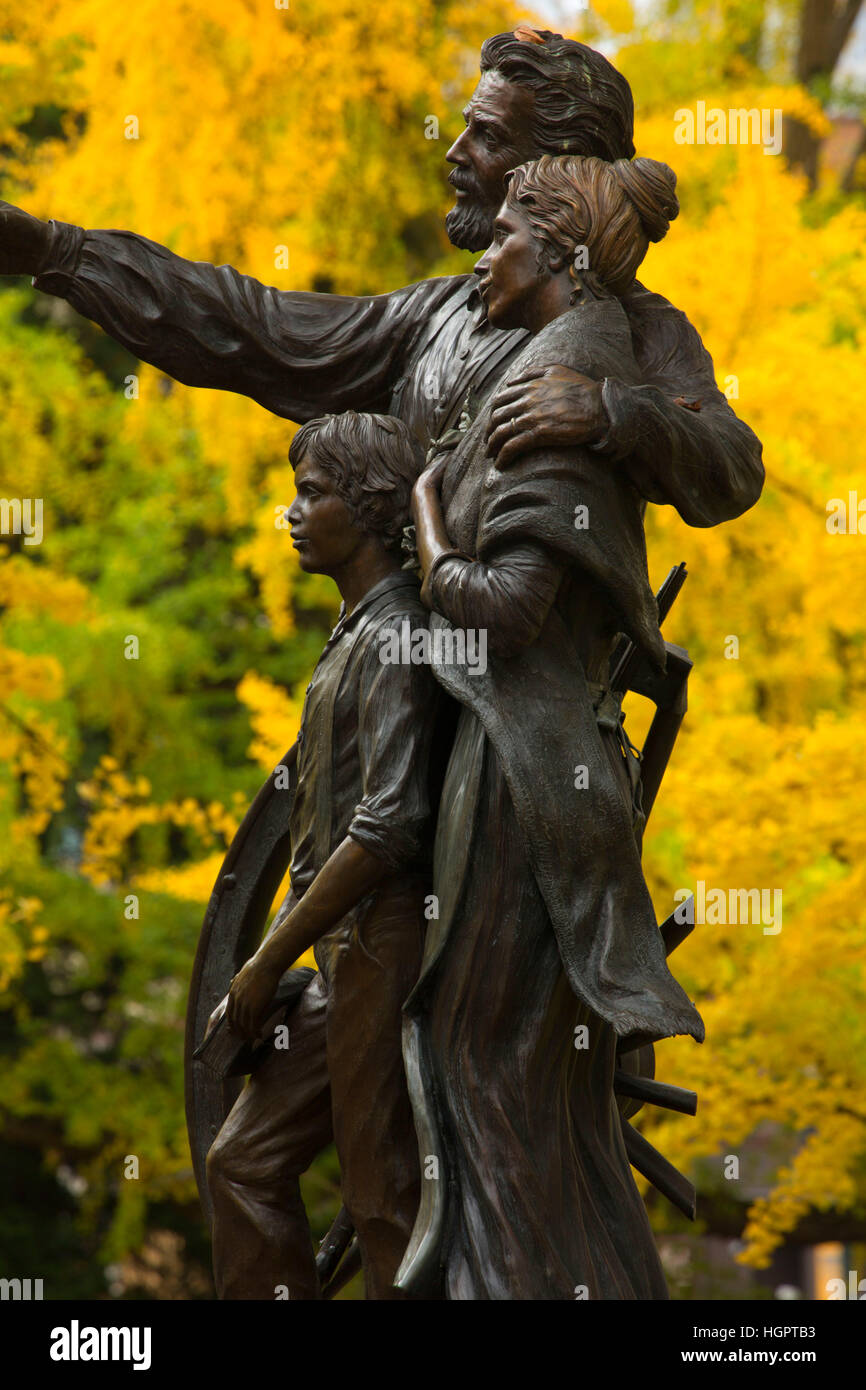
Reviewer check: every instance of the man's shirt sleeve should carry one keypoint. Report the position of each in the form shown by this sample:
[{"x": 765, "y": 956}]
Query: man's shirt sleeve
[
  {"x": 678, "y": 438},
  {"x": 397, "y": 712},
  {"x": 299, "y": 355}
]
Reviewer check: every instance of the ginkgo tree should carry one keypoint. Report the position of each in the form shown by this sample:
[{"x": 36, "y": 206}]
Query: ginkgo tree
[
  {"x": 764, "y": 788},
  {"x": 157, "y": 642}
]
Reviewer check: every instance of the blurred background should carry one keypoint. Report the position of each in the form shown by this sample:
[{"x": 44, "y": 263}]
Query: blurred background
[{"x": 294, "y": 143}]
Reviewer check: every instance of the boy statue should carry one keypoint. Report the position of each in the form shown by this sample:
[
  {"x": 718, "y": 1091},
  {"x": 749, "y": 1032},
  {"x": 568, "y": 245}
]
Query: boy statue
[{"x": 360, "y": 873}]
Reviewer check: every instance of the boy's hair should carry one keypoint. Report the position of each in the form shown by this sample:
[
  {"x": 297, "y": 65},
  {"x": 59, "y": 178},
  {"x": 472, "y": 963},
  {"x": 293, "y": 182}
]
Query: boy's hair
[{"x": 374, "y": 461}]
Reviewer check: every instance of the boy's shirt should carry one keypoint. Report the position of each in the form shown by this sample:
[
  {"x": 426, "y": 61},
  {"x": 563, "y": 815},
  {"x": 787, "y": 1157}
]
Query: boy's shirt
[{"x": 364, "y": 743}]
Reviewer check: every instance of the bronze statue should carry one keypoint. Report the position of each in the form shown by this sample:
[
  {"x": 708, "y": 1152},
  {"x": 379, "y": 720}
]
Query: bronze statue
[
  {"x": 416, "y": 351},
  {"x": 360, "y": 874},
  {"x": 626, "y": 413}
]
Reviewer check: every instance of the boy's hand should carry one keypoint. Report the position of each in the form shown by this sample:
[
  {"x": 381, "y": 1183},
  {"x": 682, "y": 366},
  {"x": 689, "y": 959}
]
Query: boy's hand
[
  {"x": 252, "y": 991},
  {"x": 215, "y": 1017}
]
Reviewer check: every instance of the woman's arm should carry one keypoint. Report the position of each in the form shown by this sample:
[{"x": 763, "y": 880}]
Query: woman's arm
[{"x": 509, "y": 595}]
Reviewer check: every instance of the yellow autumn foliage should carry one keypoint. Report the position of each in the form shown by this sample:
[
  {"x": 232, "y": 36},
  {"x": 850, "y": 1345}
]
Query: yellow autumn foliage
[{"x": 291, "y": 144}]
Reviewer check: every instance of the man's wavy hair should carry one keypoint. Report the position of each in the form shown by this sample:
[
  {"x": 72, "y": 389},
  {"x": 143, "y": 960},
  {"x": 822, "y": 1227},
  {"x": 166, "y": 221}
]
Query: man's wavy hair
[
  {"x": 374, "y": 461},
  {"x": 582, "y": 104},
  {"x": 614, "y": 210}
]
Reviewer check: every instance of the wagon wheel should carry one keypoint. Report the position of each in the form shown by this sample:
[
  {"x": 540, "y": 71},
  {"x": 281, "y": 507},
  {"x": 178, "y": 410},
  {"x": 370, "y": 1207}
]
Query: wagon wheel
[
  {"x": 634, "y": 1078},
  {"x": 246, "y": 885},
  {"x": 252, "y": 871}
]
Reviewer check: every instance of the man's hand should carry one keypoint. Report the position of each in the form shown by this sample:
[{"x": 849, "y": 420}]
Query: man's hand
[
  {"x": 23, "y": 241},
  {"x": 252, "y": 991},
  {"x": 545, "y": 408}
]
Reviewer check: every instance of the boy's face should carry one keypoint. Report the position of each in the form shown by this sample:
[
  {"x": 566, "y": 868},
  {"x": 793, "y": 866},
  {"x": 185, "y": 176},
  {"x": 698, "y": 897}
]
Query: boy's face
[{"x": 323, "y": 532}]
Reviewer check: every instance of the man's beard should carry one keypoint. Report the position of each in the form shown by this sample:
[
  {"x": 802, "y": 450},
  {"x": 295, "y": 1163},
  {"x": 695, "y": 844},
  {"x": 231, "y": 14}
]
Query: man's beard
[
  {"x": 470, "y": 221},
  {"x": 469, "y": 225}
]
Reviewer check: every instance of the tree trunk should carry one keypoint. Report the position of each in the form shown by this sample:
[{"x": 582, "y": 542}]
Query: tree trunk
[{"x": 825, "y": 26}]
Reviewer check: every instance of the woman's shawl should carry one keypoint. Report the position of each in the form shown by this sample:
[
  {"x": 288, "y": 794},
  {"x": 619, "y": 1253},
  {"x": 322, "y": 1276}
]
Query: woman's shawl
[
  {"x": 577, "y": 503},
  {"x": 536, "y": 708}
]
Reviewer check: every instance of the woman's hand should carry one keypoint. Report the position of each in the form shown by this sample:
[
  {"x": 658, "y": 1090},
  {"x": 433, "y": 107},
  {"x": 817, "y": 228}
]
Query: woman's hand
[
  {"x": 252, "y": 991},
  {"x": 428, "y": 483}
]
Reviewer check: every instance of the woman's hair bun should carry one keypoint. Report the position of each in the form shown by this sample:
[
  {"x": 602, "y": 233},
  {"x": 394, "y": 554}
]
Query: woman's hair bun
[{"x": 651, "y": 188}]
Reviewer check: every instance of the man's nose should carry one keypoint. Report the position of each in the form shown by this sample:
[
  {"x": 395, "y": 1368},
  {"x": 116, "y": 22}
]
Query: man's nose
[
  {"x": 483, "y": 265},
  {"x": 456, "y": 154}
]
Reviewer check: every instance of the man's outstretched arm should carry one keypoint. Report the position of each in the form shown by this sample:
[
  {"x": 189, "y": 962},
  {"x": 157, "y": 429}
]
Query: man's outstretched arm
[{"x": 297, "y": 354}]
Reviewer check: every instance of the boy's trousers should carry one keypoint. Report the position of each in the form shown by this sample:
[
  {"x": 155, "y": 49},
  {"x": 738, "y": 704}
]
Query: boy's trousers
[{"x": 342, "y": 1079}]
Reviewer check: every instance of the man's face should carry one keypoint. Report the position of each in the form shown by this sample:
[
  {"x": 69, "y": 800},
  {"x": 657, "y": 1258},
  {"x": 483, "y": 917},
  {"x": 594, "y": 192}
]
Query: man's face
[
  {"x": 496, "y": 139},
  {"x": 509, "y": 271},
  {"x": 323, "y": 532}
]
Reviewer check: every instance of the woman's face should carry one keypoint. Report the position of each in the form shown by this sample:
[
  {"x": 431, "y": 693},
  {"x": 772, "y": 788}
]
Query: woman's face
[{"x": 509, "y": 271}]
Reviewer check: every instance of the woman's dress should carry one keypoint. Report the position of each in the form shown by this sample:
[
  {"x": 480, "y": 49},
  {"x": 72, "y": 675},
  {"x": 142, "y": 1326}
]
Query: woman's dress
[
  {"x": 511, "y": 1034},
  {"x": 545, "y": 1206}
]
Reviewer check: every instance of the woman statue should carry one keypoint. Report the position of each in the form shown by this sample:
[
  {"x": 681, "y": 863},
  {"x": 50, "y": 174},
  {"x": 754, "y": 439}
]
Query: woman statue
[{"x": 545, "y": 954}]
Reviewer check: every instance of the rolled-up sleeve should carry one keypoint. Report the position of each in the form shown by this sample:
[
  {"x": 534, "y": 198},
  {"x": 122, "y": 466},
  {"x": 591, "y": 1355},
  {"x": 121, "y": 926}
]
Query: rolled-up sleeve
[{"x": 398, "y": 707}]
